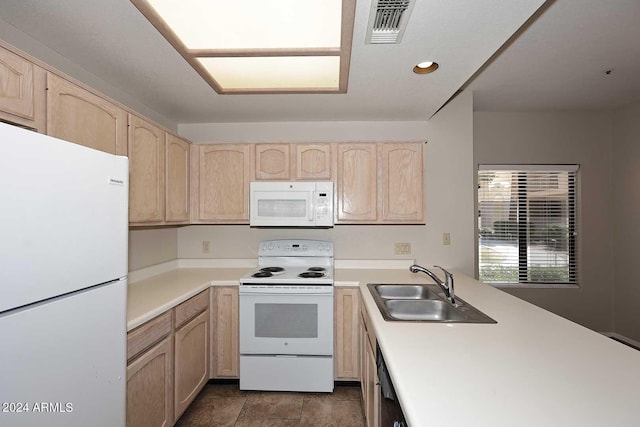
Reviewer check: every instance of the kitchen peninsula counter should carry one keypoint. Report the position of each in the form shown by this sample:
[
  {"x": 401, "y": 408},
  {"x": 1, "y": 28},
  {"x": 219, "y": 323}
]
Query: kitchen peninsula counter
[{"x": 533, "y": 368}]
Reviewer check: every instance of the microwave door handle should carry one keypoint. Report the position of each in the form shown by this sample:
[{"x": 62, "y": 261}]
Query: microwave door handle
[{"x": 310, "y": 213}]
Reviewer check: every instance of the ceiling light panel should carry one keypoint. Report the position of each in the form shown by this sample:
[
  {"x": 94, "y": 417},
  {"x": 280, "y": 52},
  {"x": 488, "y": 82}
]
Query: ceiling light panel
[
  {"x": 253, "y": 24},
  {"x": 275, "y": 73},
  {"x": 260, "y": 46}
]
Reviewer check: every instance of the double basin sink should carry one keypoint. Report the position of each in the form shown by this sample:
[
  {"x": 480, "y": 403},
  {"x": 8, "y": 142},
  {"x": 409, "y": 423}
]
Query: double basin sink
[{"x": 423, "y": 303}]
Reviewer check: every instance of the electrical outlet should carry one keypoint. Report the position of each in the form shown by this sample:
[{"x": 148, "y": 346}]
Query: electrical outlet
[
  {"x": 206, "y": 246},
  {"x": 446, "y": 239},
  {"x": 402, "y": 248}
]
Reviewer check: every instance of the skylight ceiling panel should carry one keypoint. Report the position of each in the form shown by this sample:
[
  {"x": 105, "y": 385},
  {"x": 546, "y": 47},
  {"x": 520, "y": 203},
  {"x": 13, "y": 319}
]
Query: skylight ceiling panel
[{"x": 282, "y": 24}]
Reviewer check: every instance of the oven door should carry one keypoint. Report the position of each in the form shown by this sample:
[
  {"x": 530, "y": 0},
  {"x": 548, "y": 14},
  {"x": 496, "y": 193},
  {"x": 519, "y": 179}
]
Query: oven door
[{"x": 296, "y": 324}]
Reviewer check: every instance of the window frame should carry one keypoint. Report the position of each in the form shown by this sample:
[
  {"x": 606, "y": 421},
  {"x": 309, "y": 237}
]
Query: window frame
[{"x": 573, "y": 247}]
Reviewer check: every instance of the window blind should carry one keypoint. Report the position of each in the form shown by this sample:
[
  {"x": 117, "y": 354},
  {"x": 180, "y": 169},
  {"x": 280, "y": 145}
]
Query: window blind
[{"x": 527, "y": 224}]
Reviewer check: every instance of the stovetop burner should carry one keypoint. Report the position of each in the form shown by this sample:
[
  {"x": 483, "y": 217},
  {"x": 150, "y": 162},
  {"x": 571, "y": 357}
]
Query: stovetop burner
[
  {"x": 311, "y": 274},
  {"x": 261, "y": 273},
  {"x": 272, "y": 269},
  {"x": 317, "y": 269}
]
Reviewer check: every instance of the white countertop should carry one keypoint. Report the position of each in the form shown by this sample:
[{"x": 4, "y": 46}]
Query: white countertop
[
  {"x": 153, "y": 296},
  {"x": 149, "y": 297},
  {"x": 532, "y": 368}
]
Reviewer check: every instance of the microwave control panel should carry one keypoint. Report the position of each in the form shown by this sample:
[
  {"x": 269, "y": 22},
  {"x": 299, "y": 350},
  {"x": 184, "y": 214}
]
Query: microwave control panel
[{"x": 324, "y": 203}]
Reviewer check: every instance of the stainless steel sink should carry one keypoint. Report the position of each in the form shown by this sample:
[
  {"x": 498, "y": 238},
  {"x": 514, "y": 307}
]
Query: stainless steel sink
[
  {"x": 434, "y": 310},
  {"x": 422, "y": 303},
  {"x": 405, "y": 292}
]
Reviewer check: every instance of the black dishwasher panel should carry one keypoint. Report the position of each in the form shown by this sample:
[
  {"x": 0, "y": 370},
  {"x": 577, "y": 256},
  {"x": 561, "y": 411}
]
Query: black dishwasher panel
[{"x": 390, "y": 410}]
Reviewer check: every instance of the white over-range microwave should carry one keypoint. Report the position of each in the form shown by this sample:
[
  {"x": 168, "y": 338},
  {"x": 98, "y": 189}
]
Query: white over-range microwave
[{"x": 291, "y": 204}]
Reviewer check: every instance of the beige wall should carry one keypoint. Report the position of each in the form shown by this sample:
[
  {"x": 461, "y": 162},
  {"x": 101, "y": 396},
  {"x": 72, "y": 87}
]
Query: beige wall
[
  {"x": 626, "y": 197},
  {"x": 583, "y": 138},
  {"x": 152, "y": 246},
  {"x": 448, "y": 179}
]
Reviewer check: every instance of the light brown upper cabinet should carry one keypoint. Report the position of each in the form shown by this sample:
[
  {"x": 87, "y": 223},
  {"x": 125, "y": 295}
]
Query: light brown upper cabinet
[
  {"x": 146, "y": 171},
  {"x": 294, "y": 162},
  {"x": 402, "y": 183},
  {"x": 272, "y": 162},
  {"x": 22, "y": 91},
  {"x": 380, "y": 183},
  {"x": 77, "y": 115},
  {"x": 356, "y": 185},
  {"x": 312, "y": 161},
  {"x": 177, "y": 180},
  {"x": 220, "y": 176}
]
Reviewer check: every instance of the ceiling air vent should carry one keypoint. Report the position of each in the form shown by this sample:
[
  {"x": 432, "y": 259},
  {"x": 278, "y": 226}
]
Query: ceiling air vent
[{"x": 387, "y": 20}]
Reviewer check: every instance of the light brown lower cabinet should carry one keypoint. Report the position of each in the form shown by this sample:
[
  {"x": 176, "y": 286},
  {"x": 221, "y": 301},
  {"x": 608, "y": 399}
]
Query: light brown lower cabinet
[
  {"x": 369, "y": 383},
  {"x": 225, "y": 355},
  {"x": 346, "y": 332},
  {"x": 150, "y": 387},
  {"x": 168, "y": 363},
  {"x": 191, "y": 360}
]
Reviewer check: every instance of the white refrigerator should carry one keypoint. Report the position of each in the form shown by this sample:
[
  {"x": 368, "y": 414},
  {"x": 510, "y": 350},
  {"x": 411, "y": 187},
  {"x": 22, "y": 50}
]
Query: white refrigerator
[{"x": 63, "y": 284}]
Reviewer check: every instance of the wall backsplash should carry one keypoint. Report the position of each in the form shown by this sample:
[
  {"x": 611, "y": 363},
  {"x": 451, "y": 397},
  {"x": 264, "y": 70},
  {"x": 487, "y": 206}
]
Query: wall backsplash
[
  {"x": 150, "y": 246},
  {"x": 350, "y": 241}
]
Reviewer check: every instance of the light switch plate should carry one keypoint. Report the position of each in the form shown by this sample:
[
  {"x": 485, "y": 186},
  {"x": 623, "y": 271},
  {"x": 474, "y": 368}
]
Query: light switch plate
[{"x": 446, "y": 239}]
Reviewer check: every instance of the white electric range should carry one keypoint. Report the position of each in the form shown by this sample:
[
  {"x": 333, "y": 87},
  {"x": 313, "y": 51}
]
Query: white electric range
[{"x": 286, "y": 318}]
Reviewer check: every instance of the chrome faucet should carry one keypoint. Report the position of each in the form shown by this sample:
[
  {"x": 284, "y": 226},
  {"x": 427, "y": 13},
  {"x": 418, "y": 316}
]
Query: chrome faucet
[{"x": 447, "y": 285}]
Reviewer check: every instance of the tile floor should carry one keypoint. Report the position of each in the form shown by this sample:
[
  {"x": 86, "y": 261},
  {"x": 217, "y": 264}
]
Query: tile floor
[{"x": 227, "y": 405}]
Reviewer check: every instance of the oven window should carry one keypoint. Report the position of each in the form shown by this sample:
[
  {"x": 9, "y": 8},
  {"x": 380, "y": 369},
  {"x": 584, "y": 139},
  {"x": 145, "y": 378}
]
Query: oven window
[
  {"x": 279, "y": 208},
  {"x": 286, "y": 320}
]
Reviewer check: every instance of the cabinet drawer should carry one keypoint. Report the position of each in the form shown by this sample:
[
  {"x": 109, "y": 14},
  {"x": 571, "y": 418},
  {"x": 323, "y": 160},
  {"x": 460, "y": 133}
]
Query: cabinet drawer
[
  {"x": 146, "y": 335},
  {"x": 191, "y": 308}
]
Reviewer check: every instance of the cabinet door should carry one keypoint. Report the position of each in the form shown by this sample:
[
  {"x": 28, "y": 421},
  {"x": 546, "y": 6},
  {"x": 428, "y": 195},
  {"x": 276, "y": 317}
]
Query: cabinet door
[
  {"x": 373, "y": 391},
  {"x": 191, "y": 361},
  {"x": 313, "y": 161},
  {"x": 220, "y": 176},
  {"x": 146, "y": 172},
  {"x": 272, "y": 161},
  {"x": 402, "y": 182},
  {"x": 356, "y": 190},
  {"x": 225, "y": 353},
  {"x": 22, "y": 91},
  {"x": 369, "y": 383},
  {"x": 150, "y": 388},
  {"x": 79, "y": 116},
  {"x": 363, "y": 342},
  {"x": 177, "y": 180},
  {"x": 347, "y": 313}
]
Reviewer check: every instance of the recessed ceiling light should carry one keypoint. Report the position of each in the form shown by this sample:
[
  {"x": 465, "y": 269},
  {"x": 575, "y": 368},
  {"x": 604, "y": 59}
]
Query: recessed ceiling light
[
  {"x": 253, "y": 46},
  {"x": 425, "y": 67}
]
